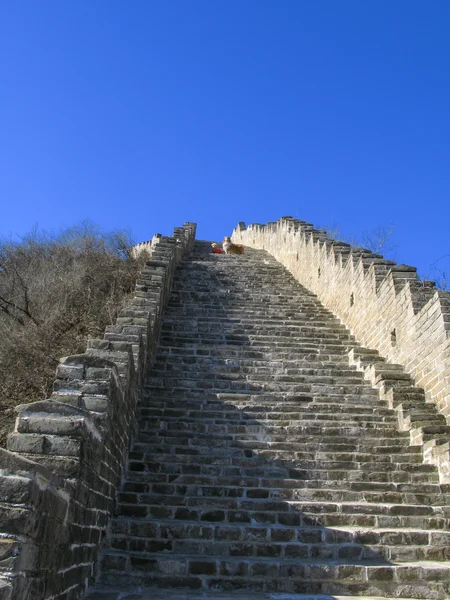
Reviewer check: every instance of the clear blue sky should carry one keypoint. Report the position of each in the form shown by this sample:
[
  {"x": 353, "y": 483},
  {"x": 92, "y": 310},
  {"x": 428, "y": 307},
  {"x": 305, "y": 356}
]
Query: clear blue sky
[{"x": 145, "y": 114}]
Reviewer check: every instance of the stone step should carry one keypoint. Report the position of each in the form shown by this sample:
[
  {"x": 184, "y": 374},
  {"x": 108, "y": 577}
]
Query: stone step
[
  {"x": 187, "y": 362},
  {"x": 365, "y": 397},
  {"x": 253, "y": 406},
  {"x": 150, "y": 472},
  {"x": 280, "y": 534},
  {"x": 387, "y": 454},
  {"x": 229, "y": 385},
  {"x": 264, "y": 451},
  {"x": 257, "y": 376},
  {"x": 236, "y": 449},
  {"x": 206, "y": 367},
  {"x": 253, "y": 332},
  {"x": 292, "y": 340},
  {"x": 421, "y": 579},
  {"x": 250, "y": 323},
  {"x": 175, "y": 437},
  {"x": 223, "y": 509},
  {"x": 264, "y": 430},
  {"x": 246, "y": 335},
  {"x": 174, "y": 493},
  {"x": 285, "y": 542},
  {"x": 275, "y": 486},
  {"x": 308, "y": 352},
  {"x": 263, "y": 418},
  {"x": 99, "y": 592},
  {"x": 307, "y": 513}
]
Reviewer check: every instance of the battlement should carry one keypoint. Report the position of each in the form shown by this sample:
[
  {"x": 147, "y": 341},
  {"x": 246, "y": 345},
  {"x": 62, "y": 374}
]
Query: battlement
[{"x": 385, "y": 305}]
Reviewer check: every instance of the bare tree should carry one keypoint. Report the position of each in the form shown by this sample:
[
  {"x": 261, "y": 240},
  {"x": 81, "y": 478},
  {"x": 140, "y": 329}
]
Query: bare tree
[
  {"x": 378, "y": 240},
  {"x": 55, "y": 291},
  {"x": 440, "y": 274}
]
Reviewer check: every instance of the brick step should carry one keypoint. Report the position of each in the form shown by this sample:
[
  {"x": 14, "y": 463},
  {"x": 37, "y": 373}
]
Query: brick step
[
  {"x": 326, "y": 332},
  {"x": 307, "y": 352},
  {"x": 247, "y": 435},
  {"x": 238, "y": 486},
  {"x": 143, "y": 482},
  {"x": 181, "y": 301},
  {"x": 176, "y": 467},
  {"x": 201, "y": 378},
  {"x": 256, "y": 309},
  {"x": 153, "y": 450},
  {"x": 207, "y": 367},
  {"x": 229, "y": 385},
  {"x": 249, "y": 320},
  {"x": 253, "y": 409},
  {"x": 244, "y": 297},
  {"x": 172, "y": 437},
  {"x": 166, "y": 529},
  {"x": 287, "y": 340},
  {"x": 306, "y": 513},
  {"x": 191, "y": 362},
  {"x": 219, "y": 508},
  {"x": 370, "y": 400},
  {"x": 236, "y": 401},
  {"x": 394, "y": 492},
  {"x": 419, "y": 579},
  {"x": 240, "y": 296},
  {"x": 261, "y": 343},
  {"x": 256, "y": 375},
  {"x": 263, "y": 418},
  {"x": 210, "y": 314},
  {"x": 285, "y": 542},
  {"x": 399, "y": 448},
  {"x": 304, "y": 478},
  {"x": 182, "y": 444},
  {"x": 99, "y": 592},
  {"x": 264, "y": 421},
  {"x": 286, "y": 427},
  {"x": 240, "y": 302},
  {"x": 249, "y": 323}
]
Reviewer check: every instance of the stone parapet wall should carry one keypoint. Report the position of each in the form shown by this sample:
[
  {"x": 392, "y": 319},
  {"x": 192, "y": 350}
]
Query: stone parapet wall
[
  {"x": 384, "y": 304},
  {"x": 62, "y": 470}
]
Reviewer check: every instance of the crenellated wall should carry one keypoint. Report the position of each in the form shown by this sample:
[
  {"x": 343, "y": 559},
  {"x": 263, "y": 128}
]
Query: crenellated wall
[
  {"x": 62, "y": 469},
  {"x": 384, "y": 304}
]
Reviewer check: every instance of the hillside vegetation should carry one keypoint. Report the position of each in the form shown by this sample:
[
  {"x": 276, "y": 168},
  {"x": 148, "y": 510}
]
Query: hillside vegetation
[{"x": 55, "y": 292}]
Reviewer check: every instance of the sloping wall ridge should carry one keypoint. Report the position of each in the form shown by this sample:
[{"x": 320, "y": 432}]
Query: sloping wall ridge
[
  {"x": 384, "y": 304},
  {"x": 59, "y": 478}
]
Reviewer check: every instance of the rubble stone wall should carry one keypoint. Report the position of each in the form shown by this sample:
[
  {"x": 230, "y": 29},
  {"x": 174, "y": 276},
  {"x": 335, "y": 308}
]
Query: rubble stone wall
[{"x": 62, "y": 470}]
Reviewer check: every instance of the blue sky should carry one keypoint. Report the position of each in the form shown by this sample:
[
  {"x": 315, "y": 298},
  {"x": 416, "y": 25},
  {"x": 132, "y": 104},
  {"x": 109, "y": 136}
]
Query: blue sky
[{"x": 145, "y": 114}]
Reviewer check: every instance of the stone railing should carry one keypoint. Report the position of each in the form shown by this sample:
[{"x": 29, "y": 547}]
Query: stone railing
[
  {"x": 384, "y": 305},
  {"x": 64, "y": 462}
]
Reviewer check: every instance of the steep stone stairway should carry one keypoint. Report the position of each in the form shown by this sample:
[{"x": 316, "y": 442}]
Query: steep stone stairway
[{"x": 265, "y": 464}]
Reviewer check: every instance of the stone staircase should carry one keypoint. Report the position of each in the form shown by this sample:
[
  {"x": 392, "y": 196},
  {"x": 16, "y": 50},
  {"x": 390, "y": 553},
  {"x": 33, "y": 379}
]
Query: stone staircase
[{"x": 264, "y": 464}]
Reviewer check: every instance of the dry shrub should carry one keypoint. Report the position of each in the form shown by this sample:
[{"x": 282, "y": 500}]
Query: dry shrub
[{"x": 55, "y": 292}]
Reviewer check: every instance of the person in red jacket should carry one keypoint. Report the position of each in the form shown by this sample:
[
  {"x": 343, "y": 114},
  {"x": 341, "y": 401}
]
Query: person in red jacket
[{"x": 216, "y": 249}]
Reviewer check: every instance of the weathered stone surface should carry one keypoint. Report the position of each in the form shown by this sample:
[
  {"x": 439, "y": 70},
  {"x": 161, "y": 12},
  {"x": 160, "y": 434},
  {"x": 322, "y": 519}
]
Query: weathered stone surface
[{"x": 263, "y": 462}]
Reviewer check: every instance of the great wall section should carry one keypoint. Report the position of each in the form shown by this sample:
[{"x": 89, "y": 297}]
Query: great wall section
[{"x": 267, "y": 426}]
